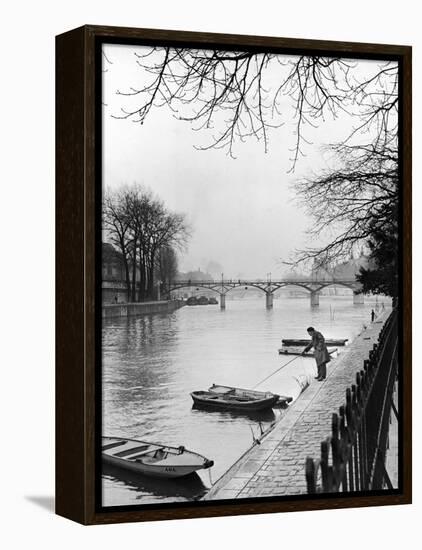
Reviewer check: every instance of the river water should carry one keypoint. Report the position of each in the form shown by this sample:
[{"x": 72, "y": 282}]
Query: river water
[{"x": 151, "y": 364}]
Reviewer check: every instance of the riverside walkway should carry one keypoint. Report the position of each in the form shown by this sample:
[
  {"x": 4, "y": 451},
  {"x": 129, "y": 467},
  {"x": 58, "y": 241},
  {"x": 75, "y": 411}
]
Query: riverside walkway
[{"x": 276, "y": 467}]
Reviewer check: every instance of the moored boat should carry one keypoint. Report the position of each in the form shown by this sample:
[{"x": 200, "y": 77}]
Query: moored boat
[
  {"x": 328, "y": 342},
  {"x": 233, "y": 398},
  {"x": 296, "y": 350},
  {"x": 152, "y": 459}
]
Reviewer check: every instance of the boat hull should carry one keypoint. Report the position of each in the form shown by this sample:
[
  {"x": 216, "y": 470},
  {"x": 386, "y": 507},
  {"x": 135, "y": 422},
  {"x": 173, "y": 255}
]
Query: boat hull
[
  {"x": 150, "y": 470},
  {"x": 328, "y": 342},
  {"x": 295, "y": 350},
  {"x": 217, "y": 401},
  {"x": 253, "y": 394},
  {"x": 129, "y": 454}
]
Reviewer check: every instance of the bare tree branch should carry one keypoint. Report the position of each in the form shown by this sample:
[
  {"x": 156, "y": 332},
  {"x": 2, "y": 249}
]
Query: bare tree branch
[
  {"x": 241, "y": 93},
  {"x": 349, "y": 202}
]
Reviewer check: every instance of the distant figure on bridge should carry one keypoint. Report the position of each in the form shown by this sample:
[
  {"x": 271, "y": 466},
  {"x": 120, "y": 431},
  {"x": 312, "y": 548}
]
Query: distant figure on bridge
[
  {"x": 372, "y": 316},
  {"x": 322, "y": 357}
]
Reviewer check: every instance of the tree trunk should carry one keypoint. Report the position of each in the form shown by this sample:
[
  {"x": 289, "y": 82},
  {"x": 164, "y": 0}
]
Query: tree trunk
[
  {"x": 151, "y": 282},
  {"x": 134, "y": 270},
  {"x": 126, "y": 266},
  {"x": 141, "y": 275},
  {"x": 150, "y": 291},
  {"x": 127, "y": 275},
  {"x": 141, "y": 292}
]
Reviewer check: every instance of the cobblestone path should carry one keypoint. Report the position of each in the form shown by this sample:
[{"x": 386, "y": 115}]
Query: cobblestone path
[{"x": 277, "y": 465}]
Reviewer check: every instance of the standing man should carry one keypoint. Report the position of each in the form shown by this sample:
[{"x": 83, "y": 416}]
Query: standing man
[
  {"x": 372, "y": 316},
  {"x": 322, "y": 357}
]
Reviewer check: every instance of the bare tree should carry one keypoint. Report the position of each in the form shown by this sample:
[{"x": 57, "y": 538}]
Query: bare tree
[
  {"x": 167, "y": 265},
  {"x": 383, "y": 275},
  {"x": 165, "y": 230},
  {"x": 140, "y": 226},
  {"x": 356, "y": 197},
  {"x": 244, "y": 94},
  {"x": 238, "y": 95},
  {"x": 140, "y": 212},
  {"x": 117, "y": 225},
  {"x": 349, "y": 202}
]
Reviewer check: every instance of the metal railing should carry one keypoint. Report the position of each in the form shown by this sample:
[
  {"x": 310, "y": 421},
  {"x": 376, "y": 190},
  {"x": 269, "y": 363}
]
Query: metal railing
[{"x": 353, "y": 457}]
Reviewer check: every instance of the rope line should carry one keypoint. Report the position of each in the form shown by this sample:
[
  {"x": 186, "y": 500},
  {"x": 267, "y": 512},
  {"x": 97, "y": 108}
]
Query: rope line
[{"x": 272, "y": 374}]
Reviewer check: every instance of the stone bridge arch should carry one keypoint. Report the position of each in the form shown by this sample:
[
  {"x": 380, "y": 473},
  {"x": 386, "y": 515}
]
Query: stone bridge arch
[{"x": 223, "y": 287}]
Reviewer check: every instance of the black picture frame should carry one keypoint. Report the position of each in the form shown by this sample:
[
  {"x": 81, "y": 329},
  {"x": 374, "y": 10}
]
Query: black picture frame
[{"x": 78, "y": 270}]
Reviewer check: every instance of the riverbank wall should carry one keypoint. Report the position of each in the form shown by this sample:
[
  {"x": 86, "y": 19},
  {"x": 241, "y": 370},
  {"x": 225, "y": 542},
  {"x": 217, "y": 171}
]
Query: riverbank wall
[
  {"x": 276, "y": 466},
  {"x": 142, "y": 308}
]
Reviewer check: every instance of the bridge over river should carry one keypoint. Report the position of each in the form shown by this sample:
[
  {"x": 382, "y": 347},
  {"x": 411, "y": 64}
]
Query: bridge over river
[{"x": 224, "y": 286}]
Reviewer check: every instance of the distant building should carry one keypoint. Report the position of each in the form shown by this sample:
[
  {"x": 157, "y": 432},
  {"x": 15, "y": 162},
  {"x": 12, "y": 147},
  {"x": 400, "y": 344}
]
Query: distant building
[
  {"x": 293, "y": 275},
  {"x": 112, "y": 264},
  {"x": 346, "y": 270},
  {"x": 196, "y": 276},
  {"x": 322, "y": 272},
  {"x": 349, "y": 269}
]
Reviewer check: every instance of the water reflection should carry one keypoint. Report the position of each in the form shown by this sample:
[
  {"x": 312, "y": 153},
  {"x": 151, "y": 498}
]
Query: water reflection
[
  {"x": 268, "y": 416},
  {"x": 138, "y": 487}
]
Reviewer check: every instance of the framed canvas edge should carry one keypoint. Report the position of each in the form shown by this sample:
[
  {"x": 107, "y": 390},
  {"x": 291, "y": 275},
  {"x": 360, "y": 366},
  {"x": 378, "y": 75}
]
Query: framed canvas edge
[{"x": 76, "y": 293}]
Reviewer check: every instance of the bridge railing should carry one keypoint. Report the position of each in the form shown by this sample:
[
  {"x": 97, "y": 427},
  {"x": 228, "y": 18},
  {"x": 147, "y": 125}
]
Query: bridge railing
[
  {"x": 193, "y": 282},
  {"x": 353, "y": 457}
]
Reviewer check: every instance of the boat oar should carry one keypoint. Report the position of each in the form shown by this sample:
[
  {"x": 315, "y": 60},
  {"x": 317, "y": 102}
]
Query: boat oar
[{"x": 280, "y": 368}]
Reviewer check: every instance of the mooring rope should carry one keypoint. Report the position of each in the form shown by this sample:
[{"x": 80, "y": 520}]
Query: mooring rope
[{"x": 272, "y": 374}]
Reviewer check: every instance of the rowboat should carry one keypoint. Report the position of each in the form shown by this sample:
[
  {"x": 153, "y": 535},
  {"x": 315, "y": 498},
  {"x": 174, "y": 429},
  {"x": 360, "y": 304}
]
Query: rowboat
[
  {"x": 151, "y": 459},
  {"x": 232, "y": 398},
  {"x": 295, "y": 350},
  {"x": 218, "y": 388},
  {"x": 329, "y": 342}
]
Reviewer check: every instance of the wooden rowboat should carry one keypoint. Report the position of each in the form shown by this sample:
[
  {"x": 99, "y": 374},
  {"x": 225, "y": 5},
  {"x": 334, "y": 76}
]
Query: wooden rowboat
[
  {"x": 328, "y": 342},
  {"x": 232, "y": 398},
  {"x": 218, "y": 388},
  {"x": 151, "y": 459},
  {"x": 295, "y": 350}
]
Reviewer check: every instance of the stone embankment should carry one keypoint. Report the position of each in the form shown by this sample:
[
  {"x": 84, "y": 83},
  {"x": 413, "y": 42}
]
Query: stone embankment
[
  {"x": 143, "y": 308},
  {"x": 277, "y": 466}
]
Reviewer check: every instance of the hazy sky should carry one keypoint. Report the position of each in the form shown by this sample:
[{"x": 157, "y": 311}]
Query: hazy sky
[{"x": 242, "y": 211}]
